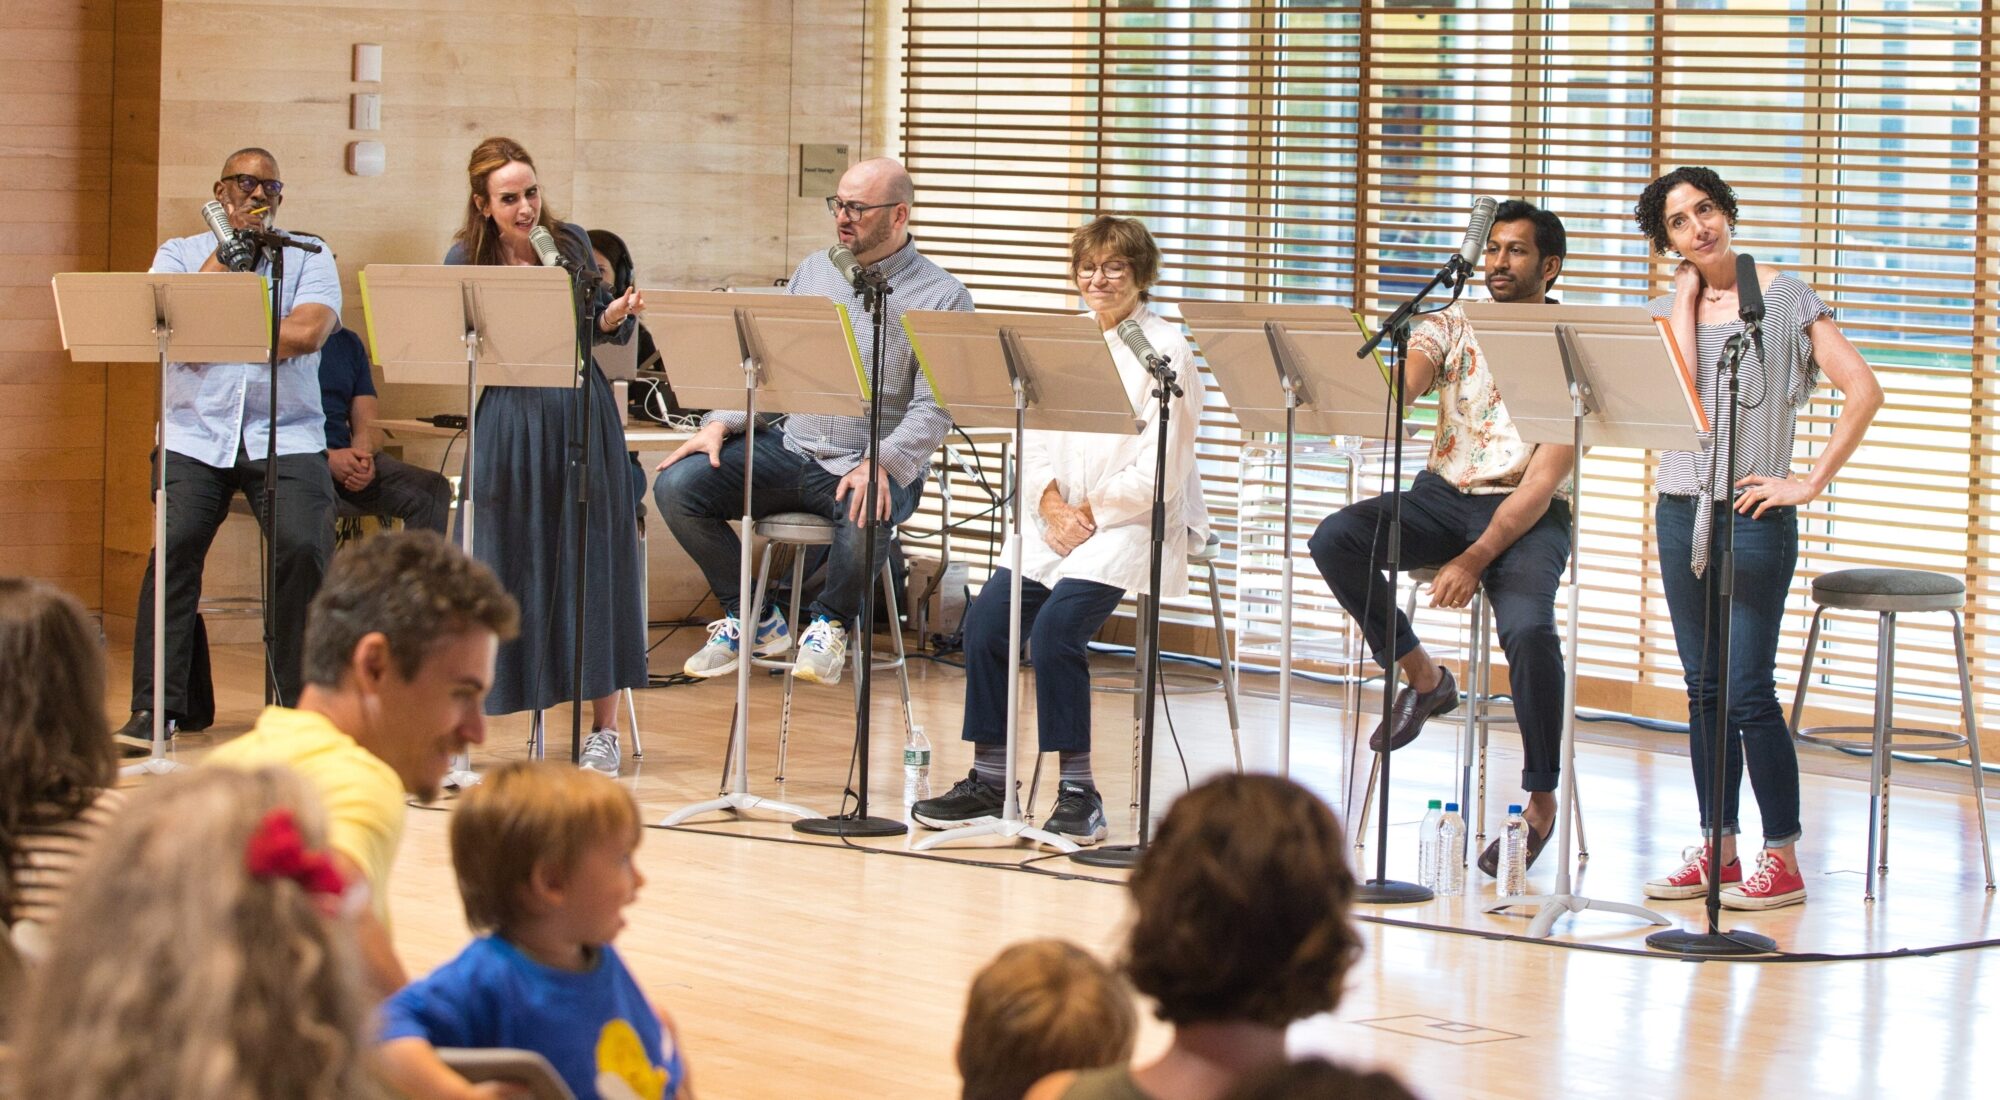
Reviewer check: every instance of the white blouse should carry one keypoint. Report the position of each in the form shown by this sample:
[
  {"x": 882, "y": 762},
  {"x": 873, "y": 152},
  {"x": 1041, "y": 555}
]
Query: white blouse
[{"x": 1115, "y": 474}]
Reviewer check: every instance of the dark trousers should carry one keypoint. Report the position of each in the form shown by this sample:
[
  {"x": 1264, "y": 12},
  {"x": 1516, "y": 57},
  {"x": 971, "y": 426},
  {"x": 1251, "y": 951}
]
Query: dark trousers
[
  {"x": 419, "y": 497},
  {"x": 1758, "y": 732},
  {"x": 197, "y": 502},
  {"x": 699, "y": 500},
  {"x": 1439, "y": 524},
  {"x": 1057, "y": 624}
]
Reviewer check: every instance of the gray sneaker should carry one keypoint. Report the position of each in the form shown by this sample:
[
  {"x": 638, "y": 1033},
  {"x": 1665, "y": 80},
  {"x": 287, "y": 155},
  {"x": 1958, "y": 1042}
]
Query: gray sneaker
[
  {"x": 718, "y": 657},
  {"x": 600, "y": 753},
  {"x": 822, "y": 652}
]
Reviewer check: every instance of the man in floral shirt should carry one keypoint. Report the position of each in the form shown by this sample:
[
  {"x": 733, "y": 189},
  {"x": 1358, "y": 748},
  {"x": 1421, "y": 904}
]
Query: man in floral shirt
[{"x": 1490, "y": 509}]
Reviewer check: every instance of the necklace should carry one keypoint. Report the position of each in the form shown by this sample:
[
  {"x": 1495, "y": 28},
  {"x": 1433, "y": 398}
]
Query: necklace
[{"x": 1713, "y": 295}]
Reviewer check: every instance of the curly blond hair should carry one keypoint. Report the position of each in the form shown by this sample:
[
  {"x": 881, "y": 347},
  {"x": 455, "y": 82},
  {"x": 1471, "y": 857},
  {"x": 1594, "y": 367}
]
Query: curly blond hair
[{"x": 176, "y": 975}]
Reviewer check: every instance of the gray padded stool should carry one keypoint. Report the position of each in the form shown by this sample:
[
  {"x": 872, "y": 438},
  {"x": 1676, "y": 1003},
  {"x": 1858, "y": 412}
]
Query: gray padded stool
[
  {"x": 1177, "y": 682},
  {"x": 802, "y": 529},
  {"x": 1888, "y": 593}
]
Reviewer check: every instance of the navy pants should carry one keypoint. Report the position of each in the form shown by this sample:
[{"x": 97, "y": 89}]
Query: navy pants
[{"x": 1058, "y": 624}]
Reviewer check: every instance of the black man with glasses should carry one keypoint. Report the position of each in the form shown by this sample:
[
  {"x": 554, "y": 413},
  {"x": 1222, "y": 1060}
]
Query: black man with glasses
[
  {"x": 820, "y": 464},
  {"x": 217, "y": 432}
]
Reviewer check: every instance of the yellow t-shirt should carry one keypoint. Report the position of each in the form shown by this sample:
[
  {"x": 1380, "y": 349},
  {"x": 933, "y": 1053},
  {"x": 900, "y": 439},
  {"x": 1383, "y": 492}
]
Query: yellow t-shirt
[{"x": 362, "y": 793}]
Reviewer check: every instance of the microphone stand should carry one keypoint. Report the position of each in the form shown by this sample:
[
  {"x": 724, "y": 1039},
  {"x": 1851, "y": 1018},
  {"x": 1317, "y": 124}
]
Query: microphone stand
[
  {"x": 583, "y": 289},
  {"x": 272, "y": 243},
  {"x": 875, "y": 291},
  {"x": 1127, "y": 855},
  {"x": 1381, "y": 889},
  {"x": 1713, "y": 941}
]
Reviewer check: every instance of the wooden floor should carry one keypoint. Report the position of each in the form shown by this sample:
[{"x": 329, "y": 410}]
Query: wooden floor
[{"x": 798, "y": 967}]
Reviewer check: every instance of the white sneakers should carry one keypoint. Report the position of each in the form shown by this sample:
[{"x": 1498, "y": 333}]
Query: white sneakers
[
  {"x": 822, "y": 652},
  {"x": 718, "y": 657}
]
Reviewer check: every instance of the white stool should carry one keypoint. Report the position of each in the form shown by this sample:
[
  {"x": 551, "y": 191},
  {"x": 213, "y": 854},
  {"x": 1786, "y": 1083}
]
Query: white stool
[
  {"x": 799, "y": 530},
  {"x": 1179, "y": 682}
]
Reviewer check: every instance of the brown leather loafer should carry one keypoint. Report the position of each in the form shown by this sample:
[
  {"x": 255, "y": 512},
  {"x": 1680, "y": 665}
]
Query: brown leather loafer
[{"x": 1411, "y": 710}]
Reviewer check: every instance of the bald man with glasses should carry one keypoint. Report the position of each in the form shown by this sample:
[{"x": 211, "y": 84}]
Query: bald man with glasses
[
  {"x": 218, "y": 425},
  {"x": 820, "y": 464}
]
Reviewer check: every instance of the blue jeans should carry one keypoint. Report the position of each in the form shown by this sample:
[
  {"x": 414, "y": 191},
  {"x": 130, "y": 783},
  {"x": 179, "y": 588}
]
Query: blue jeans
[
  {"x": 1057, "y": 623},
  {"x": 1440, "y": 523},
  {"x": 699, "y": 500},
  {"x": 1767, "y": 553}
]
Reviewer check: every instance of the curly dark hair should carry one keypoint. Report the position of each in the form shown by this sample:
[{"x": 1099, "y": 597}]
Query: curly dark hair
[
  {"x": 1244, "y": 906},
  {"x": 1651, "y": 211}
]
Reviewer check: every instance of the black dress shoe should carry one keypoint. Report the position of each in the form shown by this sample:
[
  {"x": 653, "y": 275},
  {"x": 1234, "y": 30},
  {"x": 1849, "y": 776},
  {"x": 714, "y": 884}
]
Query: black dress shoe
[
  {"x": 135, "y": 737},
  {"x": 1411, "y": 710},
  {"x": 1489, "y": 860}
]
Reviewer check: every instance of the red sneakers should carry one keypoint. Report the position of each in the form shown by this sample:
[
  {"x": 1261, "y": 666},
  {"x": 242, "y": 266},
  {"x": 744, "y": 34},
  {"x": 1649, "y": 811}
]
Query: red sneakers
[
  {"x": 1772, "y": 885},
  {"x": 1691, "y": 881}
]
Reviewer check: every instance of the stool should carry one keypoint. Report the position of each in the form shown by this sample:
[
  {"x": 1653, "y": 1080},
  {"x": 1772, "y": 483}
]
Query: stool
[
  {"x": 1478, "y": 715},
  {"x": 799, "y": 530},
  {"x": 1888, "y": 593},
  {"x": 1180, "y": 682}
]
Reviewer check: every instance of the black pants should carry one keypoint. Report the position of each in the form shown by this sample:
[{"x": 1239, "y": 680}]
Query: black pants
[
  {"x": 419, "y": 497},
  {"x": 197, "y": 502},
  {"x": 1439, "y": 524}
]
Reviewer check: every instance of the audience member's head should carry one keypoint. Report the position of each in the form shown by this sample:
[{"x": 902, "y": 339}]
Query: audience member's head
[
  {"x": 203, "y": 953},
  {"x": 532, "y": 828},
  {"x": 1243, "y": 903},
  {"x": 1318, "y": 1079},
  {"x": 1039, "y": 1007},
  {"x": 399, "y": 650},
  {"x": 56, "y": 752}
]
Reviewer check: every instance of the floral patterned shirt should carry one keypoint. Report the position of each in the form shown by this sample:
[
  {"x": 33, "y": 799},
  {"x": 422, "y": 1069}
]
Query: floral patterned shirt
[{"x": 1476, "y": 447}]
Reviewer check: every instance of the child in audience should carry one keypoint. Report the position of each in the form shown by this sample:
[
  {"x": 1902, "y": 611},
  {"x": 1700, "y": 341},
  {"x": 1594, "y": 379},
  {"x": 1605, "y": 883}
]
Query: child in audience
[
  {"x": 204, "y": 952},
  {"x": 1039, "y": 1007},
  {"x": 1244, "y": 925},
  {"x": 544, "y": 860}
]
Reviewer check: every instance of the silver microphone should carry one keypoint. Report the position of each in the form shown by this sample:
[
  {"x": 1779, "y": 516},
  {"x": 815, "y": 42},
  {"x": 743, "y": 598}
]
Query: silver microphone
[
  {"x": 1476, "y": 230},
  {"x": 1134, "y": 336},
  {"x": 843, "y": 261},
  {"x": 544, "y": 244},
  {"x": 229, "y": 248}
]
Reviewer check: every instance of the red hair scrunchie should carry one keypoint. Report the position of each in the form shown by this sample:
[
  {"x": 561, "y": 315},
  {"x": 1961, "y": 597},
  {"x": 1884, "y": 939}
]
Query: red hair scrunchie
[{"x": 278, "y": 850}]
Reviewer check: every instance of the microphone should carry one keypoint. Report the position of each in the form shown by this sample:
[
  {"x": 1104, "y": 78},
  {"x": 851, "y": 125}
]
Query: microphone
[
  {"x": 1476, "y": 230},
  {"x": 232, "y": 250},
  {"x": 1750, "y": 299},
  {"x": 1135, "y": 339},
  {"x": 544, "y": 244},
  {"x": 843, "y": 261}
]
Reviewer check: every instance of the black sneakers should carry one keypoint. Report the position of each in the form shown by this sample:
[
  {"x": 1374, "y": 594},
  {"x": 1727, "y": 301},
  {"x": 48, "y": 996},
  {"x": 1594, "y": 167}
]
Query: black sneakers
[
  {"x": 1078, "y": 815},
  {"x": 970, "y": 800}
]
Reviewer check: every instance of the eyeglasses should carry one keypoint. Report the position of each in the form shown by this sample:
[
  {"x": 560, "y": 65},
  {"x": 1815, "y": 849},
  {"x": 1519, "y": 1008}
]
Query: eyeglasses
[
  {"x": 248, "y": 184},
  {"x": 836, "y": 206},
  {"x": 1112, "y": 270}
]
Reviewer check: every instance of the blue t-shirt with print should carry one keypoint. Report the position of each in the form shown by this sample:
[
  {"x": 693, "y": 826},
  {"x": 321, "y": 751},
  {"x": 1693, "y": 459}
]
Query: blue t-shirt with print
[{"x": 585, "y": 1024}]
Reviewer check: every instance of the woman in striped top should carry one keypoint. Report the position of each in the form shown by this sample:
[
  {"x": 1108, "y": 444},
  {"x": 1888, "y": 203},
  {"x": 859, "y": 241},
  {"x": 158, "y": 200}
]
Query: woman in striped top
[
  {"x": 57, "y": 761},
  {"x": 1691, "y": 213}
]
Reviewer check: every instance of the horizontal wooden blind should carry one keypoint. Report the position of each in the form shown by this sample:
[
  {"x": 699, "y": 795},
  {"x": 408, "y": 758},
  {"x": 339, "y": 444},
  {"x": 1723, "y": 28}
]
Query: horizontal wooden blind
[{"x": 1328, "y": 152}]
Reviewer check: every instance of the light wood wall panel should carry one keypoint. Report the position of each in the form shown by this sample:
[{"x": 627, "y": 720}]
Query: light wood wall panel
[
  {"x": 55, "y": 151},
  {"x": 674, "y": 123}
]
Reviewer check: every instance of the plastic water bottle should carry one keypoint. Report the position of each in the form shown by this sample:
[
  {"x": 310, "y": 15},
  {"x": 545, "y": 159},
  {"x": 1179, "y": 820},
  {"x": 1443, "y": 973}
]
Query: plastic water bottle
[
  {"x": 1427, "y": 846},
  {"x": 1451, "y": 838},
  {"x": 1514, "y": 855},
  {"x": 916, "y": 767}
]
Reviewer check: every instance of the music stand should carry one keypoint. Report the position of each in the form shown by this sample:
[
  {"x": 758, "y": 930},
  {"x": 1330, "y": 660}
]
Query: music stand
[
  {"x": 472, "y": 326},
  {"x": 1013, "y": 370},
  {"x": 1573, "y": 376},
  {"x": 790, "y": 354},
  {"x": 139, "y": 317},
  {"x": 1287, "y": 368}
]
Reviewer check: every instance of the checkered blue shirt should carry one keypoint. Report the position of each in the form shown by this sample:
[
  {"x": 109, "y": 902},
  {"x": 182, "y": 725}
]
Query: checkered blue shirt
[{"x": 912, "y": 423}]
